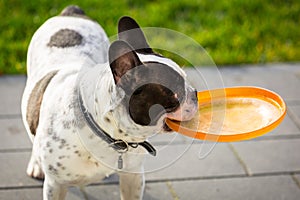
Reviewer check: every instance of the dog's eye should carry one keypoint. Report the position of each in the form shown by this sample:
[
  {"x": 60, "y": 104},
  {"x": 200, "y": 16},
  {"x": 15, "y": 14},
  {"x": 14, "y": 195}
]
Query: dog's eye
[
  {"x": 178, "y": 98},
  {"x": 138, "y": 91},
  {"x": 172, "y": 105},
  {"x": 172, "y": 108}
]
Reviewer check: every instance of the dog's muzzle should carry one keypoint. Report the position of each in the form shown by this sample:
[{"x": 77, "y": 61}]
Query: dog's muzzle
[{"x": 188, "y": 108}]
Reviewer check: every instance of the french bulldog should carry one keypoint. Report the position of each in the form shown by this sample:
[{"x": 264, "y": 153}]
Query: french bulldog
[{"x": 89, "y": 106}]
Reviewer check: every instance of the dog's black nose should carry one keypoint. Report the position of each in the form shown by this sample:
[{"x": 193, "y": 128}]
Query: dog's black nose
[{"x": 193, "y": 96}]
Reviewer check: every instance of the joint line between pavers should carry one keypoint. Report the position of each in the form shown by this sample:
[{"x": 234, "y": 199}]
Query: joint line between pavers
[
  {"x": 294, "y": 118},
  {"x": 295, "y": 179},
  {"x": 82, "y": 190},
  {"x": 172, "y": 191},
  {"x": 10, "y": 116},
  {"x": 15, "y": 150},
  {"x": 293, "y": 102},
  {"x": 241, "y": 161}
]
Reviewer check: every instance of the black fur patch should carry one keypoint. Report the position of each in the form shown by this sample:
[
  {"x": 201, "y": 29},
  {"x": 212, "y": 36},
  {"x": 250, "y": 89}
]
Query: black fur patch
[
  {"x": 129, "y": 31},
  {"x": 65, "y": 38},
  {"x": 35, "y": 101},
  {"x": 151, "y": 92}
]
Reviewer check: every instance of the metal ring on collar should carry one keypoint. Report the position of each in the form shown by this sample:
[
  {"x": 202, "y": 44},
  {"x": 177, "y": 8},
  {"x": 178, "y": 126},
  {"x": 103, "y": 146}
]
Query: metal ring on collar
[{"x": 120, "y": 145}]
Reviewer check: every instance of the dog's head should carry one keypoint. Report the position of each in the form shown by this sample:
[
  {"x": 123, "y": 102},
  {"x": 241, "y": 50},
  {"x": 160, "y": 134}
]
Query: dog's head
[{"x": 155, "y": 87}]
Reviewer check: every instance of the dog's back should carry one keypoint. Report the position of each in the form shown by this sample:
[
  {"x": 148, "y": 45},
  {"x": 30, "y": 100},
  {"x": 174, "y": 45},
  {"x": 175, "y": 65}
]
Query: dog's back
[{"x": 66, "y": 41}]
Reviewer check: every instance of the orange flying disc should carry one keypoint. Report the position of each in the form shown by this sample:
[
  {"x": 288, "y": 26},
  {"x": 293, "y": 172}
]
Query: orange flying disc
[{"x": 233, "y": 114}]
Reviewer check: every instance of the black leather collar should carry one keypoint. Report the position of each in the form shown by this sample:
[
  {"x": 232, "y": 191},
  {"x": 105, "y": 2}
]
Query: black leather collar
[{"x": 117, "y": 144}]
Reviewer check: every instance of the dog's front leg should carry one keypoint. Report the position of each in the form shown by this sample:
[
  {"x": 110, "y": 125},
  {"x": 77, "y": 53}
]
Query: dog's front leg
[
  {"x": 131, "y": 186},
  {"x": 53, "y": 190}
]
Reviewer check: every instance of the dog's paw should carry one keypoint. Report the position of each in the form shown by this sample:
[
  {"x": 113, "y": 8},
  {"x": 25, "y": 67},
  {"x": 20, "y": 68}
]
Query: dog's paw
[{"x": 34, "y": 170}]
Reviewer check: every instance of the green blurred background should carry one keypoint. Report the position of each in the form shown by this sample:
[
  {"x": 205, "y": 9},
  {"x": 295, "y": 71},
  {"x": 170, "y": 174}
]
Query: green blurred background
[{"x": 232, "y": 31}]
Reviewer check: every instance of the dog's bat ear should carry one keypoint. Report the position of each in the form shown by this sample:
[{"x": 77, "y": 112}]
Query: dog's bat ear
[
  {"x": 122, "y": 58},
  {"x": 130, "y": 31}
]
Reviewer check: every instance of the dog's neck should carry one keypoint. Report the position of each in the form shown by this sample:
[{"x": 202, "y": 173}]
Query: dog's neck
[{"x": 105, "y": 102}]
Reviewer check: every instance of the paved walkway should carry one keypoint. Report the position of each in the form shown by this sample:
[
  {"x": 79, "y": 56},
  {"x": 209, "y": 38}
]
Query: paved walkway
[{"x": 265, "y": 168}]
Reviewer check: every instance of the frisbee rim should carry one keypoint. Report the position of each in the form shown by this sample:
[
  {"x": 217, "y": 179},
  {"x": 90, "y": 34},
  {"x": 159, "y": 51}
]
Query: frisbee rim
[{"x": 234, "y": 92}]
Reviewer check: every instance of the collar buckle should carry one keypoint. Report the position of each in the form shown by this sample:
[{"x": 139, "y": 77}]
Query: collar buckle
[{"x": 120, "y": 145}]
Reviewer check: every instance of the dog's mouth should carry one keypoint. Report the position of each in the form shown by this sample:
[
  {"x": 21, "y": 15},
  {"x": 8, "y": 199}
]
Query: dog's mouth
[
  {"x": 180, "y": 115},
  {"x": 166, "y": 128}
]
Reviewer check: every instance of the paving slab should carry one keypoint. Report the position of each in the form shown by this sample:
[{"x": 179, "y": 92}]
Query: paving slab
[
  {"x": 287, "y": 127},
  {"x": 169, "y": 139},
  {"x": 271, "y": 187},
  {"x": 13, "y": 135},
  {"x": 297, "y": 176},
  {"x": 153, "y": 191},
  {"x": 157, "y": 191},
  {"x": 284, "y": 82},
  {"x": 281, "y": 78},
  {"x": 294, "y": 112},
  {"x": 219, "y": 161},
  {"x": 13, "y": 167},
  {"x": 93, "y": 193},
  {"x": 248, "y": 188},
  {"x": 291, "y": 67},
  {"x": 205, "y": 78},
  {"x": 270, "y": 155},
  {"x": 11, "y": 90},
  {"x": 24, "y": 194}
]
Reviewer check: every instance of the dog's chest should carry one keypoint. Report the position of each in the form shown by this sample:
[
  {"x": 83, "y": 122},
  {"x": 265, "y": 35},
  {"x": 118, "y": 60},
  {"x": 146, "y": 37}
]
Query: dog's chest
[{"x": 68, "y": 160}]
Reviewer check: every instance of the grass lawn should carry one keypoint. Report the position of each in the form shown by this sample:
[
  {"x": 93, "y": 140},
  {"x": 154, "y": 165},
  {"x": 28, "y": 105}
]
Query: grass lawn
[{"x": 232, "y": 31}]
